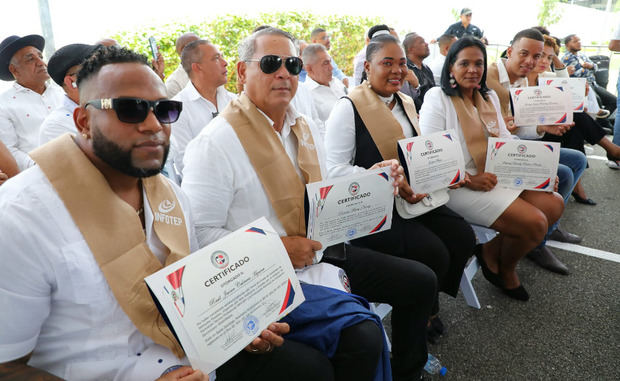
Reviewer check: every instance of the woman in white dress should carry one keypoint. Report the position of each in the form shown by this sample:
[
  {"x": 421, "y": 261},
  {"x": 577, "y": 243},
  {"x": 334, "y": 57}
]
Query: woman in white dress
[{"x": 465, "y": 104}]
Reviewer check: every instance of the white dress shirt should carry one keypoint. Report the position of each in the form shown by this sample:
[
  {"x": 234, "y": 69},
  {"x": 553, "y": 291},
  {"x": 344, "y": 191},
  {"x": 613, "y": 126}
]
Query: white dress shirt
[
  {"x": 524, "y": 132},
  {"x": 176, "y": 81},
  {"x": 436, "y": 66},
  {"x": 438, "y": 114},
  {"x": 325, "y": 97},
  {"x": 223, "y": 187},
  {"x": 59, "y": 122},
  {"x": 303, "y": 103},
  {"x": 340, "y": 137},
  {"x": 21, "y": 113},
  {"x": 56, "y": 301},
  {"x": 197, "y": 113}
]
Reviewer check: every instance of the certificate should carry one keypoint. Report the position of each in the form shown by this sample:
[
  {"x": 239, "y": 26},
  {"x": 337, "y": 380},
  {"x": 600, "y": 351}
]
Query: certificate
[
  {"x": 523, "y": 164},
  {"x": 541, "y": 105},
  {"x": 350, "y": 207},
  {"x": 433, "y": 161},
  {"x": 221, "y": 297},
  {"x": 576, "y": 86}
]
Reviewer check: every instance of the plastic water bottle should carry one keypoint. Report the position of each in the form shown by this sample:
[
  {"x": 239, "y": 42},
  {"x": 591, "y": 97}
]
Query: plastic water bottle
[{"x": 433, "y": 366}]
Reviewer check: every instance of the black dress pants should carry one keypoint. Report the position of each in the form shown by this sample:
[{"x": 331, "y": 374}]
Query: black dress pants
[
  {"x": 356, "y": 359},
  {"x": 607, "y": 99},
  {"x": 409, "y": 287},
  {"x": 441, "y": 239},
  {"x": 585, "y": 129}
]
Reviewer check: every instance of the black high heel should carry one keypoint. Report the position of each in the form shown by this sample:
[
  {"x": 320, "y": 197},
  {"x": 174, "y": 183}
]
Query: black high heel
[
  {"x": 581, "y": 200},
  {"x": 489, "y": 275},
  {"x": 518, "y": 293}
]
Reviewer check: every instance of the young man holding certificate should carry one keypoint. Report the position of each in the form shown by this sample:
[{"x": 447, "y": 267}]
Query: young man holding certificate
[
  {"x": 84, "y": 227},
  {"x": 525, "y": 51},
  {"x": 255, "y": 161}
]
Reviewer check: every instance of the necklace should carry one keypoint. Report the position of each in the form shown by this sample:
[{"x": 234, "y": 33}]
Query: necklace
[
  {"x": 386, "y": 100},
  {"x": 140, "y": 211}
]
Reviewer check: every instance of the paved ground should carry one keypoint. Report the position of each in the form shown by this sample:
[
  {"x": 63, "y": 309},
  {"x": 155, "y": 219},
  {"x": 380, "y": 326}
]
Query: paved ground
[{"x": 570, "y": 328}]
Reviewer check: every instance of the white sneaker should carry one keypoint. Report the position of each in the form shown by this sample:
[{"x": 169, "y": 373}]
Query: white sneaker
[
  {"x": 613, "y": 164},
  {"x": 602, "y": 114}
]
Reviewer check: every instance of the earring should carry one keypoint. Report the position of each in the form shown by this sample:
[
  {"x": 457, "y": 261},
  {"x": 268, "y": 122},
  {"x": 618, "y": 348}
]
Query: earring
[
  {"x": 452, "y": 81},
  {"x": 85, "y": 136},
  {"x": 478, "y": 86}
]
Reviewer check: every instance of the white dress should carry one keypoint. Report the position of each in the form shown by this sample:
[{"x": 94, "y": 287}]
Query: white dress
[{"x": 477, "y": 207}]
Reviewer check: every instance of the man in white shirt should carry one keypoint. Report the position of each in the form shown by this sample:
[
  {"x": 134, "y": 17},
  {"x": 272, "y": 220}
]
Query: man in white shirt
[
  {"x": 523, "y": 54},
  {"x": 444, "y": 42},
  {"x": 203, "y": 97},
  {"x": 320, "y": 36},
  {"x": 178, "y": 79},
  {"x": 255, "y": 159},
  {"x": 80, "y": 235},
  {"x": 25, "y": 105},
  {"x": 63, "y": 67},
  {"x": 325, "y": 89}
]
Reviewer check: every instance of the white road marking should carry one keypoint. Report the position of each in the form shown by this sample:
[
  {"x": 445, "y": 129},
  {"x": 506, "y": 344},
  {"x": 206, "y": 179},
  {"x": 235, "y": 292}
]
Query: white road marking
[{"x": 585, "y": 250}]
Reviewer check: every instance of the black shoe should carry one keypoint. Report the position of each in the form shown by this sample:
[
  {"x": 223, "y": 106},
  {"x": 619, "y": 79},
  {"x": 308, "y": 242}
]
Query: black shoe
[
  {"x": 564, "y": 236},
  {"x": 437, "y": 325},
  {"x": 545, "y": 258},
  {"x": 489, "y": 275},
  {"x": 581, "y": 200},
  {"x": 432, "y": 336},
  {"x": 518, "y": 293}
]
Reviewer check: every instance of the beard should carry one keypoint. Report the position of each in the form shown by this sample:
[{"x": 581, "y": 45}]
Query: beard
[{"x": 114, "y": 156}]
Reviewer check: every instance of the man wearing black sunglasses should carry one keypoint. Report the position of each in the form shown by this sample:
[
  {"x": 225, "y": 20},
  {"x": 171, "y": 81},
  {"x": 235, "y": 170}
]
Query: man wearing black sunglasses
[{"x": 85, "y": 226}]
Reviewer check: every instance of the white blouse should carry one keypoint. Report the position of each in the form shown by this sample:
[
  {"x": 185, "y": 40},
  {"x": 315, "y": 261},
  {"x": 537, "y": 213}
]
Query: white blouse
[
  {"x": 340, "y": 137},
  {"x": 438, "y": 114}
]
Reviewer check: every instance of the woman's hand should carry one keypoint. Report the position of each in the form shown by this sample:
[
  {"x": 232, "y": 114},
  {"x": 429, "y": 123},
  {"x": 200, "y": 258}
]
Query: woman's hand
[
  {"x": 408, "y": 194},
  {"x": 483, "y": 182},
  {"x": 398, "y": 173},
  {"x": 184, "y": 373},
  {"x": 510, "y": 124}
]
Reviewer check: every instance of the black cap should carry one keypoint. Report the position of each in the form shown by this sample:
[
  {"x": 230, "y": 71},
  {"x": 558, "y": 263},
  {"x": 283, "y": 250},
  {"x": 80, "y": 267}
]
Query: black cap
[
  {"x": 66, "y": 57},
  {"x": 465, "y": 11},
  {"x": 10, "y": 46}
]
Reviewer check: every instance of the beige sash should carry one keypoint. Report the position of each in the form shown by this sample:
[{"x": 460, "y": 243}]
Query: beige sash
[
  {"x": 383, "y": 127},
  {"x": 503, "y": 94},
  {"x": 273, "y": 166},
  {"x": 476, "y": 125},
  {"x": 113, "y": 231}
]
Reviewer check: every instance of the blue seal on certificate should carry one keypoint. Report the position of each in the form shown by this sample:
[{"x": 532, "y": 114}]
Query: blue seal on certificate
[
  {"x": 250, "y": 325},
  {"x": 351, "y": 232},
  {"x": 518, "y": 181},
  {"x": 541, "y": 119}
]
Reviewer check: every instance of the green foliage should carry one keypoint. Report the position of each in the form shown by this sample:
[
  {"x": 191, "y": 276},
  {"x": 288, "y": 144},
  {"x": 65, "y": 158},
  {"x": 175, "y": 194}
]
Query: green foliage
[
  {"x": 549, "y": 13},
  {"x": 456, "y": 13},
  {"x": 347, "y": 36}
]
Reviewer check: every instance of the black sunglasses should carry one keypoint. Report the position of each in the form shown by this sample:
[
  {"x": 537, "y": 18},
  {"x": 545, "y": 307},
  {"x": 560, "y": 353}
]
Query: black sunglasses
[
  {"x": 135, "y": 110},
  {"x": 271, "y": 63}
]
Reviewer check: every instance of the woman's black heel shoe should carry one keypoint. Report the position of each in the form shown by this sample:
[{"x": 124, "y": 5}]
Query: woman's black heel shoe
[
  {"x": 489, "y": 275},
  {"x": 518, "y": 293}
]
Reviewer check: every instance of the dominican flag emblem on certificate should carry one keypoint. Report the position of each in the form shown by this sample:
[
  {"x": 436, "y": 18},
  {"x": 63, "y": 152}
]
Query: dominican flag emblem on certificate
[
  {"x": 289, "y": 297},
  {"x": 176, "y": 291}
]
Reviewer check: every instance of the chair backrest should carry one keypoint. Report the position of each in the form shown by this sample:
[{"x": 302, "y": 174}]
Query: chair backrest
[{"x": 602, "y": 73}]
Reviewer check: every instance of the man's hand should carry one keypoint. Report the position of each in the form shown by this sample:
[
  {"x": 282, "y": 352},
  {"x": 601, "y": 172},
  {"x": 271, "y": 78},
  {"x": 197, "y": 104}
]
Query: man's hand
[
  {"x": 570, "y": 69},
  {"x": 159, "y": 65},
  {"x": 184, "y": 373},
  {"x": 559, "y": 129},
  {"x": 345, "y": 81},
  {"x": 588, "y": 65},
  {"x": 510, "y": 124},
  {"x": 412, "y": 79},
  {"x": 482, "y": 182},
  {"x": 301, "y": 250},
  {"x": 398, "y": 173},
  {"x": 269, "y": 338}
]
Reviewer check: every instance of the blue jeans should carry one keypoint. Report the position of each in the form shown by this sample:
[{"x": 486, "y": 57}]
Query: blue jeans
[
  {"x": 571, "y": 167},
  {"x": 617, "y": 123}
]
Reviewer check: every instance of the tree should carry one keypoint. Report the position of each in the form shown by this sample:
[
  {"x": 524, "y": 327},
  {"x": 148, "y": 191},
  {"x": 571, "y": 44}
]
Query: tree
[{"x": 549, "y": 13}]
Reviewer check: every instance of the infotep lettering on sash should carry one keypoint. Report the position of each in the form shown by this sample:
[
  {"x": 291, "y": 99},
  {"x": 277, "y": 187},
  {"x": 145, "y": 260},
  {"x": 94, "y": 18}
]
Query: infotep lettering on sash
[
  {"x": 434, "y": 161},
  {"x": 576, "y": 87},
  {"x": 542, "y": 105},
  {"x": 350, "y": 207},
  {"x": 523, "y": 164},
  {"x": 219, "y": 298}
]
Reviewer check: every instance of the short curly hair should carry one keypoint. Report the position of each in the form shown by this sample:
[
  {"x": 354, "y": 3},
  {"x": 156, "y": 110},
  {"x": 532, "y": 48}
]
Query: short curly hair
[{"x": 106, "y": 55}]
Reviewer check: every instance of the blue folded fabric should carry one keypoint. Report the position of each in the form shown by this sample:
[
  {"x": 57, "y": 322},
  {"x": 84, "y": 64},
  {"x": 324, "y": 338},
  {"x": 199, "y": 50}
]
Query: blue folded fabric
[{"x": 327, "y": 311}]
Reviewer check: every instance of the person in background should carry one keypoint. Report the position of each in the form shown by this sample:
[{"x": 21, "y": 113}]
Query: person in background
[
  {"x": 25, "y": 105},
  {"x": 320, "y": 36},
  {"x": 179, "y": 78},
  {"x": 63, "y": 67},
  {"x": 464, "y": 27},
  {"x": 614, "y": 45},
  {"x": 416, "y": 50},
  {"x": 436, "y": 65}
]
